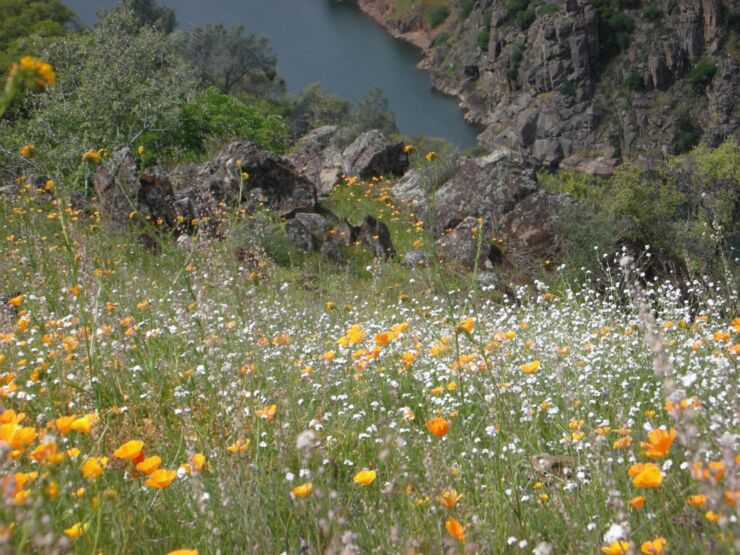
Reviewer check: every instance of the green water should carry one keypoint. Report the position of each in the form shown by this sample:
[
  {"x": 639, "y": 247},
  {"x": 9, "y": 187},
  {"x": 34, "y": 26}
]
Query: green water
[{"x": 335, "y": 44}]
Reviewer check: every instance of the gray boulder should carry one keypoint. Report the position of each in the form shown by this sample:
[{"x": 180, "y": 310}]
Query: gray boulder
[
  {"x": 372, "y": 154},
  {"x": 117, "y": 187},
  {"x": 317, "y": 158}
]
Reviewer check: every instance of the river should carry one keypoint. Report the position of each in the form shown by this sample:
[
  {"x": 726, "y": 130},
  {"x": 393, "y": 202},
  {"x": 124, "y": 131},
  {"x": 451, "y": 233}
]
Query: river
[{"x": 336, "y": 45}]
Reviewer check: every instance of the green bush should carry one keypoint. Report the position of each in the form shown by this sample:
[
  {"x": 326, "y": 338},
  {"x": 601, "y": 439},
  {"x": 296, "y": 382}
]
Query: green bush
[
  {"x": 437, "y": 15},
  {"x": 466, "y": 7},
  {"x": 485, "y": 34},
  {"x": 517, "y": 53},
  {"x": 441, "y": 38},
  {"x": 548, "y": 8},
  {"x": 115, "y": 83},
  {"x": 567, "y": 89},
  {"x": 525, "y": 18},
  {"x": 634, "y": 82},
  {"x": 515, "y": 6},
  {"x": 701, "y": 74},
  {"x": 652, "y": 13},
  {"x": 215, "y": 116},
  {"x": 615, "y": 28}
]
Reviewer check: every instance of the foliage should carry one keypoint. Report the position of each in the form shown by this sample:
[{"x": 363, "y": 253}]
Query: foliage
[
  {"x": 116, "y": 82},
  {"x": 466, "y": 7},
  {"x": 548, "y": 8},
  {"x": 615, "y": 28},
  {"x": 701, "y": 74},
  {"x": 687, "y": 209},
  {"x": 24, "y": 18},
  {"x": 515, "y": 6},
  {"x": 567, "y": 88},
  {"x": 652, "y": 13},
  {"x": 687, "y": 134},
  {"x": 441, "y": 38},
  {"x": 525, "y": 18},
  {"x": 517, "y": 53},
  {"x": 437, "y": 15},
  {"x": 634, "y": 82},
  {"x": 314, "y": 107},
  {"x": 372, "y": 112},
  {"x": 214, "y": 116},
  {"x": 230, "y": 60},
  {"x": 484, "y": 36},
  {"x": 147, "y": 13}
]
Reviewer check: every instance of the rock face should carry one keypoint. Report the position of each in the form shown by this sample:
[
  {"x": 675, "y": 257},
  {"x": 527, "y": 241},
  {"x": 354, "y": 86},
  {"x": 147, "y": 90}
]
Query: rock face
[
  {"x": 375, "y": 235},
  {"x": 461, "y": 244},
  {"x": 371, "y": 155},
  {"x": 568, "y": 89},
  {"x": 116, "y": 187},
  {"x": 488, "y": 187},
  {"x": 317, "y": 158}
]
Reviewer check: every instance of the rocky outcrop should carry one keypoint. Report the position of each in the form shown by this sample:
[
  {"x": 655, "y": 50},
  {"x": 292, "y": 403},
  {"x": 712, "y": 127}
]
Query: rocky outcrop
[
  {"x": 116, "y": 187},
  {"x": 373, "y": 155},
  {"x": 487, "y": 187},
  {"x": 318, "y": 158},
  {"x": 568, "y": 89}
]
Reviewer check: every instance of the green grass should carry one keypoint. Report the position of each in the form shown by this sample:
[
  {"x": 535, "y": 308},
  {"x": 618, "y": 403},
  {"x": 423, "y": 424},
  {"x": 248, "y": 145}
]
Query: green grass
[{"x": 195, "y": 343}]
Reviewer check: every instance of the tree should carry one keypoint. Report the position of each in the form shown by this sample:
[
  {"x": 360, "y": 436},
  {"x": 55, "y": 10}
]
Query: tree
[
  {"x": 115, "y": 83},
  {"x": 147, "y": 13},
  {"x": 372, "y": 112},
  {"x": 24, "y": 18},
  {"x": 314, "y": 107},
  {"x": 230, "y": 60}
]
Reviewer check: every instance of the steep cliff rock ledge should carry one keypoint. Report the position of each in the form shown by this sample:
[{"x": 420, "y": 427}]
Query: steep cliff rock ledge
[{"x": 585, "y": 84}]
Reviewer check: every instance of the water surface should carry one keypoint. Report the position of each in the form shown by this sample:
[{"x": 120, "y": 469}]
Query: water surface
[{"x": 335, "y": 44}]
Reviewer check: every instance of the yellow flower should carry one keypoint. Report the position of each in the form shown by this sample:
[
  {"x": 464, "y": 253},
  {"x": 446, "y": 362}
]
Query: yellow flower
[
  {"x": 183, "y": 552},
  {"x": 140, "y": 149},
  {"x": 530, "y": 367},
  {"x": 622, "y": 443},
  {"x": 696, "y": 500},
  {"x": 637, "y": 502},
  {"x": 85, "y": 424},
  {"x": 238, "y": 446},
  {"x": 267, "y": 413},
  {"x": 466, "y": 325},
  {"x": 76, "y": 530},
  {"x": 93, "y": 467},
  {"x": 654, "y": 547},
  {"x": 659, "y": 442},
  {"x": 449, "y": 498},
  {"x": 198, "y": 461},
  {"x": 149, "y": 465},
  {"x": 616, "y": 548},
  {"x": 365, "y": 477},
  {"x": 408, "y": 149},
  {"x": 161, "y": 478},
  {"x": 303, "y": 490},
  {"x": 455, "y": 529},
  {"x": 438, "y": 426},
  {"x": 130, "y": 450},
  {"x": 647, "y": 475},
  {"x": 711, "y": 516},
  {"x": 27, "y": 150},
  {"x": 431, "y": 156},
  {"x": 16, "y": 301},
  {"x": 44, "y": 451}
]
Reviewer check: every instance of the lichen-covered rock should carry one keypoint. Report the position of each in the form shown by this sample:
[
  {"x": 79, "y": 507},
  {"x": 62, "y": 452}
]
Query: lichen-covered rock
[
  {"x": 372, "y": 154},
  {"x": 375, "y": 235},
  {"x": 317, "y": 158},
  {"x": 117, "y": 187},
  {"x": 488, "y": 187}
]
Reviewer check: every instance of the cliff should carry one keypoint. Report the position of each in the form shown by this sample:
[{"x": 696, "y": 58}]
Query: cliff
[{"x": 577, "y": 83}]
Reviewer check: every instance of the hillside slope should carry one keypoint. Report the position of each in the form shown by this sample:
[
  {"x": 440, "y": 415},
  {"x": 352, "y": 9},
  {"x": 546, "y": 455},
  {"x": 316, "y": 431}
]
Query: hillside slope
[{"x": 584, "y": 84}]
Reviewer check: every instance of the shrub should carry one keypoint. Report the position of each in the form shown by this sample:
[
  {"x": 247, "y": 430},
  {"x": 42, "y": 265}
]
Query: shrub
[
  {"x": 441, "y": 38},
  {"x": 702, "y": 74},
  {"x": 515, "y": 6},
  {"x": 437, "y": 15},
  {"x": 634, "y": 82},
  {"x": 548, "y": 8},
  {"x": 652, "y": 13},
  {"x": 115, "y": 83},
  {"x": 485, "y": 34},
  {"x": 567, "y": 89},
  {"x": 525, "y": 18},
  {"x": 466, "y": 7},
  {"x": 615, "y": 29},
  {"x": 213, "y": 115},
  {"x": 517, "y": 53}
]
